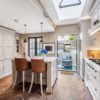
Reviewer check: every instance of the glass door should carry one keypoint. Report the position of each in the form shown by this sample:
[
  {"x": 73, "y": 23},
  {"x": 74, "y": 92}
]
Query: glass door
[
  {"x": 67, "y": 52},
  {"x": 34, "y": 46}
]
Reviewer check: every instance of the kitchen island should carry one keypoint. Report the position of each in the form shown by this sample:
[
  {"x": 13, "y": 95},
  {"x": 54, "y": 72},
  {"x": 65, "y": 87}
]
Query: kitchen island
[{"x": 49, "y": 77}]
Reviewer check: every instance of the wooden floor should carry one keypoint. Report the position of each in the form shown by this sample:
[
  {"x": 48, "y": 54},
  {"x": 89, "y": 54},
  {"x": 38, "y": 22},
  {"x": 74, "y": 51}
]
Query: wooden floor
[
  {"x": 68, "y": 87},
  {"x": 5, "y": 84}
]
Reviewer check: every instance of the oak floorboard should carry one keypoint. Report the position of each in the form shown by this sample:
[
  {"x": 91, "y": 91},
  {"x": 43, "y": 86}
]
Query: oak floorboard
[{"x": 67, "y": 87}]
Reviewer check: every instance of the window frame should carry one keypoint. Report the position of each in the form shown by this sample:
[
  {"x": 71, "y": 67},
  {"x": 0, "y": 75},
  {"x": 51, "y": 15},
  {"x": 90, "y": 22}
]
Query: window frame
[
  {"x": 74, "y": 4},
  {"x": 34, "y": 44}
]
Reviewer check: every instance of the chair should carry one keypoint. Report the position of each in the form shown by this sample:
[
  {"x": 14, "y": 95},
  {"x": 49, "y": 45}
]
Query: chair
[
  {"x": 21, "y": 65},
  {"x": 38, "y": 66}
]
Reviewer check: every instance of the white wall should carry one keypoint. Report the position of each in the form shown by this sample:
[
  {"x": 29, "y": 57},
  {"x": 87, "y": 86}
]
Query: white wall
[{"x": 51, "y": 37}]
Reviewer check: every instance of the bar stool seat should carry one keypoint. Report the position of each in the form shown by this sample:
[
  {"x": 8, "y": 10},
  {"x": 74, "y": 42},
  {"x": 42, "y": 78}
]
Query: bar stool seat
[
  {"x": 22, "y": 65},
  {"x": 38, "y": 66}
]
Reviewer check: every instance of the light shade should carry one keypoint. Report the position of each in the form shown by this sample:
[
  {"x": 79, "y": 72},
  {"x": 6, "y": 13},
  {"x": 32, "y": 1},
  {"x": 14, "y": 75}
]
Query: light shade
[{"x": 69, "y": 3}]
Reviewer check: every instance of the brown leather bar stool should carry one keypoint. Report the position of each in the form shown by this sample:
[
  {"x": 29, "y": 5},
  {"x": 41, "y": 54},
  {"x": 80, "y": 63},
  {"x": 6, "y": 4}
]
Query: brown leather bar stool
[
  {"x": 21, "y": 65},
  {"x": 38, "y": 66}
]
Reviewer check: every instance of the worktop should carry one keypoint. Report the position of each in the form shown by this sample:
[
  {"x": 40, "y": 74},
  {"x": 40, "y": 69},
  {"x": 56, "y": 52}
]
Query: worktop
[
  {"x": 49, "y": 77},
  {"x": 45, "y": 58}
]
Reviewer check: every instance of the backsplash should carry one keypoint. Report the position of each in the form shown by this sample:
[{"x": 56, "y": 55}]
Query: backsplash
[{"x": 95, "y": 54}]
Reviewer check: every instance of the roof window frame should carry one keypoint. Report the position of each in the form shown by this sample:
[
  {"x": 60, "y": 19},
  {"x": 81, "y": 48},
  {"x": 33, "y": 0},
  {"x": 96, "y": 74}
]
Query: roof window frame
[{"x": 70, "y": 5}]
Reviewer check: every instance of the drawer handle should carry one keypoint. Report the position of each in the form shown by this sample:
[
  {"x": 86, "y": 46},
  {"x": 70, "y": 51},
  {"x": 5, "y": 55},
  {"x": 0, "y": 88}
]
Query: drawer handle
[
  {"x": 92, "y": 68},
  {"x": 88, "y": 65}
]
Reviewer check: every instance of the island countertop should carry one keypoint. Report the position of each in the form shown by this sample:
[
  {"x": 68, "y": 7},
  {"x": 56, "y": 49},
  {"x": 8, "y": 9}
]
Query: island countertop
[{"x": 45, "y": 58}]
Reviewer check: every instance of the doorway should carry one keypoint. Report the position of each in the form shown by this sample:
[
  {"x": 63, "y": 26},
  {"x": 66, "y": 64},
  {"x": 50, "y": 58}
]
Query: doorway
[
  {"x": 34, "y": 46},
  {"x": 67, "y": 52}
]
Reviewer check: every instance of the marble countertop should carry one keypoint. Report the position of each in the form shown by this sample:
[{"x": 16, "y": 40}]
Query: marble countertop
[
  {"x": 46, "y": 59},
  {"x": 93, "y": 63}
]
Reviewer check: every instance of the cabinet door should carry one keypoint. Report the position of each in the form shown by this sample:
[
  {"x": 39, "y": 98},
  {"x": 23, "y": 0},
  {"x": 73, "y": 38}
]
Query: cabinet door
[
  {"x": 8, "y": 39},
  {"x": 99, "y": 12},
  {"x": 1, "y": 38},
  {"x": 8, "y": 52},
  {"x": 7, "y": 66},
  {"x": 94, "y": 17},
  {"x": 1, "y": 52},
  {"x": 1, "y": 67}
]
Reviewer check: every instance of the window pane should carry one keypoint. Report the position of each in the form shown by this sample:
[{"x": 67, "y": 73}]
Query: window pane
[
  {"x": 32, "y": 52},
  {"x": 35, "y": 46},
  {"x": 70, "y": 2},
  {"x": 32, "y": 47}
]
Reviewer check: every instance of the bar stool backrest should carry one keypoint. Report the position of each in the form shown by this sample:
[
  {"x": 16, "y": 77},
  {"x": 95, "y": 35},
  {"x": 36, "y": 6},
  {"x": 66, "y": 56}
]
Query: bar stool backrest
[
  {"x": 21, "y": 64},
  {"x": 38, "y": 65}
]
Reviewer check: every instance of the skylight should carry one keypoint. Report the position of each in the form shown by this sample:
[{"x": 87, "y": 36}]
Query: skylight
[{"x": 69, "y": 3}]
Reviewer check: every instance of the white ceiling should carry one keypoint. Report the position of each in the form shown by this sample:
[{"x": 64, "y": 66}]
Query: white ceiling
[
  {"x": 31, "y": 12},
  {"x": 25, "y": 12},
  {"x": 63, "y": 16}
]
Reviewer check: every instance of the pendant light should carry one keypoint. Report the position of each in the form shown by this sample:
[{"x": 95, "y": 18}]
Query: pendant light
[
  {"x": 41, "y": 32},
  {"x": 25, "y": 40}
]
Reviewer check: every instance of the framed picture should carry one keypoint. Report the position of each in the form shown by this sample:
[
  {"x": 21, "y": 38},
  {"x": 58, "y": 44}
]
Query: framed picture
[{"x": 49, "y": 47}]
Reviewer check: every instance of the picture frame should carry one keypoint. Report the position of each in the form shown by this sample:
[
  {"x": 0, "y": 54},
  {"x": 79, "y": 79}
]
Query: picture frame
[{"x": 49, "y": 47}]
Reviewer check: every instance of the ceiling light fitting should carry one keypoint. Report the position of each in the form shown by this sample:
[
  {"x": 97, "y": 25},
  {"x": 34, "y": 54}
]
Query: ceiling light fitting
[
  {"x": 25, "y": 40},
  {"x": 41, "y": 31}
]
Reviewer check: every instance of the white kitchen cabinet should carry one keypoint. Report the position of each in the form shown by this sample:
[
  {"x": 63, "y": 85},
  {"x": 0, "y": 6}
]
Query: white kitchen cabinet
[
  {"x": 95, "y": 16},
  {"x": 7, "y": 51},
  {"x": 92, "y": 78},
  {"x": 95, "y": 21}
]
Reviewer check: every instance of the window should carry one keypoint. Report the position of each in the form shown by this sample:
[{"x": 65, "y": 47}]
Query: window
[
  {"x": 34, "y": 46},
  {"x": 69, "y": 3}
]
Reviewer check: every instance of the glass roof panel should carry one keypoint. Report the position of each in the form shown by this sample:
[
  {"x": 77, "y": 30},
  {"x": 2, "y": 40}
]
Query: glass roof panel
[{"x": 68, "y": 3}]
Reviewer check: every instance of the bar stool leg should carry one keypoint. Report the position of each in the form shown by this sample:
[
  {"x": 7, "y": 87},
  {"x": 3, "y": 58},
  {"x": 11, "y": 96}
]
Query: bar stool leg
[
  {"x": 41, "y": 84},
  {"x": 15, "y": 81},
  {"x": 31, "y": 82},
  {"x": 23, "y": 77}
]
